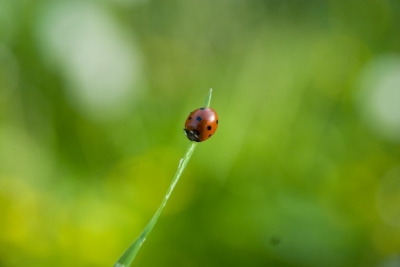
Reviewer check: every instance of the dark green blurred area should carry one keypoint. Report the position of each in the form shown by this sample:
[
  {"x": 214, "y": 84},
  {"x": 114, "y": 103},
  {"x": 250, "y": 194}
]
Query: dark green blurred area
[{"x": 303, "y": 170}]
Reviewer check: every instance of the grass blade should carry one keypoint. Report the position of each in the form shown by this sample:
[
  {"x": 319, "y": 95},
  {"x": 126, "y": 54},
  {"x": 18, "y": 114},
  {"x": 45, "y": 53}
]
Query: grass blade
[
  {"x": 208, "y": 99},
  {"x": 129, "y": 255}
]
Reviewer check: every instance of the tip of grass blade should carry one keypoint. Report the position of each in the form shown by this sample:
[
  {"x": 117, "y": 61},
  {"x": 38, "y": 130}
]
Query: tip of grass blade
[{"x": 208, "y": 99}]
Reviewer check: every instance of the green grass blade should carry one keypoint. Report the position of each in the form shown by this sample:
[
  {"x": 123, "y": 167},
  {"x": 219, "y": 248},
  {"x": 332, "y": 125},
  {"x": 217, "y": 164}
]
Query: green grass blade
[
  {"x": 129, "y": 255},
  {"x": 208, "y": 99}
]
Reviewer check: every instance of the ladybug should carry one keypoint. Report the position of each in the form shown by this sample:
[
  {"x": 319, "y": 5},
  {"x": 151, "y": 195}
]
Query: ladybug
[{"x": 201, "y": 124}]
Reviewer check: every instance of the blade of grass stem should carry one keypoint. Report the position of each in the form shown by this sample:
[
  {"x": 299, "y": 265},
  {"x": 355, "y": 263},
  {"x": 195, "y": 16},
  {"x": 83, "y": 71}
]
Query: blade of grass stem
[
  {"x": 129, "y": 255},
  {"x": 208, "y": 99}
]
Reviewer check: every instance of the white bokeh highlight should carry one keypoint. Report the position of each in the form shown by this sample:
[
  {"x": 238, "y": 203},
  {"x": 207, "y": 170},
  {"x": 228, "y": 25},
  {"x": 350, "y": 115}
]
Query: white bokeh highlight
[
  {"x": 100, "y": 64},
  {"x": 378, "y": 97}
]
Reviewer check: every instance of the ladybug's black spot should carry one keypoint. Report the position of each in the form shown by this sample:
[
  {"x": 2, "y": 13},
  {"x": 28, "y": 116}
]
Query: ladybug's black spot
[
  {"x": 198, "y": 118},
  {"x": 209, "y": 136},
  {"x": 201, "y": 108},
  {"x": 217, "y": 121},
  {"x": 189, "y": 118},
  {"x": 209, "y": 127}
]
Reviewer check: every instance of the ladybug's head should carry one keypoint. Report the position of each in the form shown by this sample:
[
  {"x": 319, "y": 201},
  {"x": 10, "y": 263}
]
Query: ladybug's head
[{"x": 192, "y": 135}]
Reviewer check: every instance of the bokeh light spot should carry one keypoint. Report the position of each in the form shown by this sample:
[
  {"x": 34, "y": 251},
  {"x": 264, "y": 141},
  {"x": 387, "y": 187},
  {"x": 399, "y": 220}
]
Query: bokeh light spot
[
  {"x": 378, "y": 97},
  {"x": 100, "y": 64}
]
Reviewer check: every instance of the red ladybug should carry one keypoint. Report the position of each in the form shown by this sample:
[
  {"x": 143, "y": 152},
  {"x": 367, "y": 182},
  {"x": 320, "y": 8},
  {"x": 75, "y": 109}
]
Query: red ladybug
[{"x": 201, "y": 124}]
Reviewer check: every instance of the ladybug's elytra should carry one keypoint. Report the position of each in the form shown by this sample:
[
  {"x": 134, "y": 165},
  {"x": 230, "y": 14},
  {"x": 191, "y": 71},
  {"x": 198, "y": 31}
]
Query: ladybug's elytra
[{"x": 201, "y": 124}]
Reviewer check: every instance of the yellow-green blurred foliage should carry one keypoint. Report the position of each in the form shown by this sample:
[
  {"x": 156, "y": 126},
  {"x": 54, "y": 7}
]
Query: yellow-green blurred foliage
[{"x": 304, "y": 169}]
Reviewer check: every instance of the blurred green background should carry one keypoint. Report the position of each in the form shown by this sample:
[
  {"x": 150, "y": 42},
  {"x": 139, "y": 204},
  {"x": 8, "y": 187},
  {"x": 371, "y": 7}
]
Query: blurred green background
[{"x": 304, "y": 169}]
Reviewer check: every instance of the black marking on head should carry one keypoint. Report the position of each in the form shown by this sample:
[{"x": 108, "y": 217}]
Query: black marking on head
[
  {"x": 189, "y": 118},
  {"x": 209, "y": 127},
  {"x": 217, "y": 121},
  {"x": 198, "y": 118},
  {"x": 192, "y": 136},
  {"x": 196, "y": 132}
]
